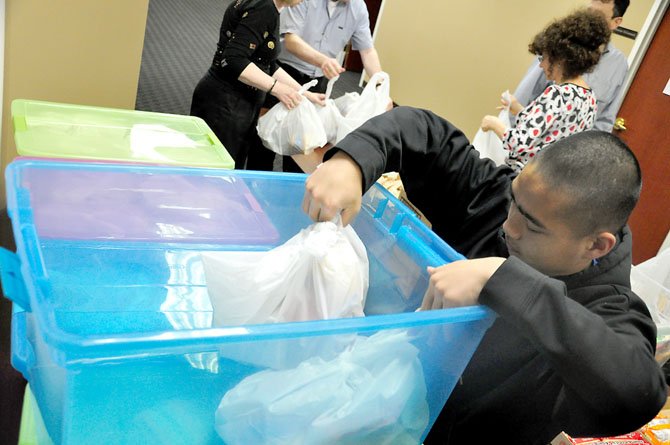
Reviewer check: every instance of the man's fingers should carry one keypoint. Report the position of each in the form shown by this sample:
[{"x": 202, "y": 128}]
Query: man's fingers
[
  {"x": 327, "y": 213},
  {"x": 427, "y": 302},
  {"x": 347, "y": 216},
  {"x": 306, "y": 200}
]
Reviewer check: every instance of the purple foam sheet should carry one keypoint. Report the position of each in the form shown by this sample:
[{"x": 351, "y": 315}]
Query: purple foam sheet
[{"x": 131, "y": 206}]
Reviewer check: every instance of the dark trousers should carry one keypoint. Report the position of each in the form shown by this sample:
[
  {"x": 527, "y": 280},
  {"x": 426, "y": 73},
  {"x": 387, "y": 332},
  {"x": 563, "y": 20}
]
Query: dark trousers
[
  {"x": 262, "y": 158},
  {"x": 231, "y": 110}
]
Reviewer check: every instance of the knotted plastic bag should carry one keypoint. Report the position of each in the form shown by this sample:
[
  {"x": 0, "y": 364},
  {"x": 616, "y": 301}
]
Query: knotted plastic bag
[
  {"x": 488, "y": 144},
  {"x": 330, "y": 115},
  {"x": 372, "y": 393},
  {"x": 320, "y": 273},
  {"x": 295, "y": 131},
  {"x": 373, "y": 101}
]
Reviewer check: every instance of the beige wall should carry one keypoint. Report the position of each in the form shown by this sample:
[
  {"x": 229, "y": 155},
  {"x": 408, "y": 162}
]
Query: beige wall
[
  {"x": 456, "y": 57},
  {"x": 73, "y": 51}
]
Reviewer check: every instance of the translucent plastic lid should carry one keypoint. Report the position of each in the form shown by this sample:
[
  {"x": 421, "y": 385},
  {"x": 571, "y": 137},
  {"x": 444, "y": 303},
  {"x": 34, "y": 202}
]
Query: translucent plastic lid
[
  {"x": 53, "y": 130},
  {"x": 81, "y": 201}
]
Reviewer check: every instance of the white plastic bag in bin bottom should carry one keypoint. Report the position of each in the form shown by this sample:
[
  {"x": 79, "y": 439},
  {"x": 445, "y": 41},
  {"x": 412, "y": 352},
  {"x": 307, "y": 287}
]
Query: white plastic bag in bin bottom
[
  {"x": 321, "y": 273},
  {"x": 371, "y": 394}
]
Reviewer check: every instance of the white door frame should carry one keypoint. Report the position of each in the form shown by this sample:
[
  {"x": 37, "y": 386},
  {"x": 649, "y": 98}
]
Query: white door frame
[
  {"x": 643, "y": 40},
  {"x": 374, "y": 37}
]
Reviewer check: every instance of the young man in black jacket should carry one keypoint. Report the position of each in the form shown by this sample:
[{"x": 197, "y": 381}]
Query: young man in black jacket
[{"x": 549, "y": 250}]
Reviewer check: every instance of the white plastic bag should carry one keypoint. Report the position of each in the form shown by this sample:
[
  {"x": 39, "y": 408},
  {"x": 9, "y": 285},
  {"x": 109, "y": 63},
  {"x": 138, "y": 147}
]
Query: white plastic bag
[
  {"x": 296, "y": 131},
  {"x": 374, "y": 100},
  {"x": 346, "y": 101},
  {"x": 488, "y": 144},
  {"x": 373, "y": 393},
  {"x": 330, "y": 115},
  {"x": 651, "y": 281},
  {"x": 321, "y": 273}
]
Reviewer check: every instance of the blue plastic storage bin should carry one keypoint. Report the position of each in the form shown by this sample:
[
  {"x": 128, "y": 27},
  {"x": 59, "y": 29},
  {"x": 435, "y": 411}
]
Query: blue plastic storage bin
[{"x": 112, "y": 329}]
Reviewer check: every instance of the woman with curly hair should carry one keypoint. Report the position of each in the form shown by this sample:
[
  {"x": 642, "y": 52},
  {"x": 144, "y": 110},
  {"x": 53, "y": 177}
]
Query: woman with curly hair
[{"x": 567, "y": 49}]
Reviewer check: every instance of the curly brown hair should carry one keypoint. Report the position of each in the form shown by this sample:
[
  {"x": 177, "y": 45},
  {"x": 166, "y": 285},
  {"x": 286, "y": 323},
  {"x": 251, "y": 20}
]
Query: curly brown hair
[{"x": 575, "y": 42}]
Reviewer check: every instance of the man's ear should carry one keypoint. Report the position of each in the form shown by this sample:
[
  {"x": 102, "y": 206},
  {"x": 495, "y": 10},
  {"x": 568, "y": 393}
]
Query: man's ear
[
  {"x": 615, "y": 23},
  {"x": 600, "y": 245}
]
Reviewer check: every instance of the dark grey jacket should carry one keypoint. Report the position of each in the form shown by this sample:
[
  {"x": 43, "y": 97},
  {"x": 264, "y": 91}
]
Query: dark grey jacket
[{"x": 572, "y": 354}]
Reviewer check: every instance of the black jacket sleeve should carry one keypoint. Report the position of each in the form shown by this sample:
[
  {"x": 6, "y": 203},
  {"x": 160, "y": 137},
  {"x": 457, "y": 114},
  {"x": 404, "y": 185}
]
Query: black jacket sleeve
[
  {"x": 464, "y": 197},
  {"x": 246, "y": 38},
  {"x": 601, "y": 352}
]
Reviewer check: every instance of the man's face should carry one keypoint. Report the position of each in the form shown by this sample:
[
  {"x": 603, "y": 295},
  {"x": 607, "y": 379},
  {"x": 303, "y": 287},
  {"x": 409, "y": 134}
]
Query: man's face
[
  {"x": 537, "y": 228},
  {"x": 607, "y": 8}
]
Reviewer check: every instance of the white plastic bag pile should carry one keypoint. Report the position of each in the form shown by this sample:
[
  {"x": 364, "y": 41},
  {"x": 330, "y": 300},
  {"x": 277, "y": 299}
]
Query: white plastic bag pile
[
  {"x": 309, "y": 126},
  {"x": 296, "y": 131},
  {"x": 488, "y": 144},
  {"x": 373, "y": 101},
  {"x": 372, "y": 393},
  {"x": 346, "y": 388},
  {"x": 321, "y": 273}
]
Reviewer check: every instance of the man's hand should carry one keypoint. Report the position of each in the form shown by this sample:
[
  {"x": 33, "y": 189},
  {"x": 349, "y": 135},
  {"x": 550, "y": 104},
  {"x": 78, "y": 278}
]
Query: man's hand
[
  {"x": 331, "y": 68},
  {"x": 459, "y": 283},
  {"x": 336, "y": 186}
]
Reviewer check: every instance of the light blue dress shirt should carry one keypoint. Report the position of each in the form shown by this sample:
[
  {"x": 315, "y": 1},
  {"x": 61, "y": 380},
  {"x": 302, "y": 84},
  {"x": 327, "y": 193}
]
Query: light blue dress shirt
[
  {"x": 606, "y": 80},
  {"x": 325, "y": 33}
]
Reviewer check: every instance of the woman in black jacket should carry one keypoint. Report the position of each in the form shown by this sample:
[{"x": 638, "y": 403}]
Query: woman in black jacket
[{"x": 243, "y": 71}]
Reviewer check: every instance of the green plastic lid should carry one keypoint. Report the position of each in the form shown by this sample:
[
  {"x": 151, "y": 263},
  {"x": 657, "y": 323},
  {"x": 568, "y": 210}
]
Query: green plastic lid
[
  {"x": 32, "y": 430},
  {"x": 55, "y": 130}
]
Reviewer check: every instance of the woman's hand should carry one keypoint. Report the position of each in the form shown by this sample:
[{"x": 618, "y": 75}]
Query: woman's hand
[
  {"x": 286, "y": 95},
  {"x": 492, "y": 123},
  {"x": 316, "y": 98},
  {"x": 514, "y": 105}
]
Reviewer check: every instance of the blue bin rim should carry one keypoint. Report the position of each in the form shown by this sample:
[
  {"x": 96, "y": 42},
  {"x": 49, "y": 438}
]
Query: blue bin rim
[
  {"x": 151, "y": 341},
  {"x": 155, "y": 343}
]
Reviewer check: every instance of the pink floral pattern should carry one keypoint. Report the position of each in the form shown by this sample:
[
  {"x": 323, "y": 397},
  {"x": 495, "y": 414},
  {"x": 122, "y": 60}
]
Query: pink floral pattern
[{"x": 561, "y": 110}]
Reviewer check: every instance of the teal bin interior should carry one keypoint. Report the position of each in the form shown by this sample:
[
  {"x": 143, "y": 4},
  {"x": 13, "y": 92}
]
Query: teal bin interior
[{"x": 112, "y": 327}]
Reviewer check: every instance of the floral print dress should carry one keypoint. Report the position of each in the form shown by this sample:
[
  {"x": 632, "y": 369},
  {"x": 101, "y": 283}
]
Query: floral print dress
[{"x": 561, "y": 110}]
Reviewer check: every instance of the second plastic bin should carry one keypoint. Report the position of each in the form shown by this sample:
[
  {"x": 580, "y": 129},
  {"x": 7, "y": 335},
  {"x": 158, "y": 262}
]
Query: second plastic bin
[
  {"x": 112, "y": 328},
  {"x": 55, "y": 130}
]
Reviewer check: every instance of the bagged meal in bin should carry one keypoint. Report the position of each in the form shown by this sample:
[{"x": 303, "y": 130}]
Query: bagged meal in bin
[
  {"x": 372, "y": 393},
  {"x": 296, "y": 131},
  {"x": 320, "y": 273}
]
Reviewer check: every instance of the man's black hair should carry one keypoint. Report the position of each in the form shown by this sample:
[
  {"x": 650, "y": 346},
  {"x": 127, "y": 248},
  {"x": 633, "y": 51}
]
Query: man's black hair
[
  {"x": 599, "y": 173},
  {"x": 620, "y": 7}
]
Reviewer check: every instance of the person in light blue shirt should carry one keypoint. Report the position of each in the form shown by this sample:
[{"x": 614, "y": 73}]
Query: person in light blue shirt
[
  {"x": 317, "y": 31},
  {"x": 313, "y": 34},
  {"x": 606, "y": 79}
]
